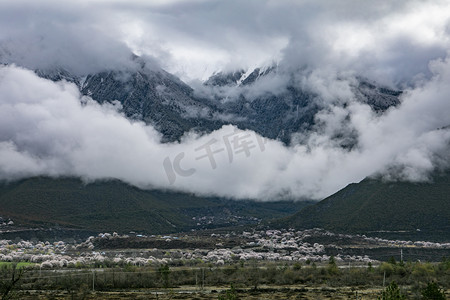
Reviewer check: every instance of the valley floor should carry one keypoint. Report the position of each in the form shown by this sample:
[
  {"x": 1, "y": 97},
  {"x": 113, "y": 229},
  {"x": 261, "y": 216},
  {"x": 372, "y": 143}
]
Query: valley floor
[
  {"x": 258, "y": 264},
  {"x": 263, "y": 292}
]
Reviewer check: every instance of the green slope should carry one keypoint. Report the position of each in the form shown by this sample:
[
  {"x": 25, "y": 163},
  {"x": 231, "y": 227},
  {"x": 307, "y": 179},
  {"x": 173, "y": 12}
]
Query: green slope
[
  {"x": 373, "y": 205},
  {"x": 115, "y": 206}
]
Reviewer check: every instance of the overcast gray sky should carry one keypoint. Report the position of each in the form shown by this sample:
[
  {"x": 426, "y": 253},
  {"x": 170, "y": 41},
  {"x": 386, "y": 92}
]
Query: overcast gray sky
[
  {"x": 388, "y": 40},
  {"x": 45, "y": 130}
]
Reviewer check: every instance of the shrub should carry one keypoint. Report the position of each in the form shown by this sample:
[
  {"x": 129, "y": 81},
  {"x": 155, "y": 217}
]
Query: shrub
[
  {"x": 230, "y": 294},
  {"x": 164, "y": 272},
  {"x": 392, "y": 292},
  {"x": 386, "y": 267},
  {"x": 297, "y": 266},
  {"x": 433, "y": 292},
  {"x": 332, "y": 267}
]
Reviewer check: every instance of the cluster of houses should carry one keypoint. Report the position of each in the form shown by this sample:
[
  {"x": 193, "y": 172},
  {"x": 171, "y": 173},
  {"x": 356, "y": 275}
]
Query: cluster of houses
[{"x": 6, "y": 222}]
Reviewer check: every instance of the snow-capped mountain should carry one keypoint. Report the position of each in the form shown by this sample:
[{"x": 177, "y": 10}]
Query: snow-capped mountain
[
  {"x": 273, "y": 103},
  {"x": 278, "y": 104},
  {"x": 146, "y": 94}
]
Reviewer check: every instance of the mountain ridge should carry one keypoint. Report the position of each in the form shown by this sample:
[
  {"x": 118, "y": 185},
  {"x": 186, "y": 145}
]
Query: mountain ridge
[
  {"x": 111, "y": 205},
  {"x": 152, "y": 95},
  {"x": 374, "y": 205}
]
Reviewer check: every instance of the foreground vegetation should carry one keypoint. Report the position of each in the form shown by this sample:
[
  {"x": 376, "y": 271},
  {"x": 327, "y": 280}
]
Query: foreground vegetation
[
  {"x": 248, "y": 279},
  {"x": 261, "y": 264}
]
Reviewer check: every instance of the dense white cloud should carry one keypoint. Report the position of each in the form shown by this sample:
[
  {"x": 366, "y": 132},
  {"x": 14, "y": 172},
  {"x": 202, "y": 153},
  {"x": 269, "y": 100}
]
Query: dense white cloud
[{"x": 49, "y": 128}]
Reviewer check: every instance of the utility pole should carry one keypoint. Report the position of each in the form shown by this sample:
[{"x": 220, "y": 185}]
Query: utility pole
[
  {"x": 196, "y": 280},
  {"x": 384, "y": 278},
  {"x": 401, "y": 255},
  {"x": 203, "y": 278},
  {"x": 93, "y": 280}
]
